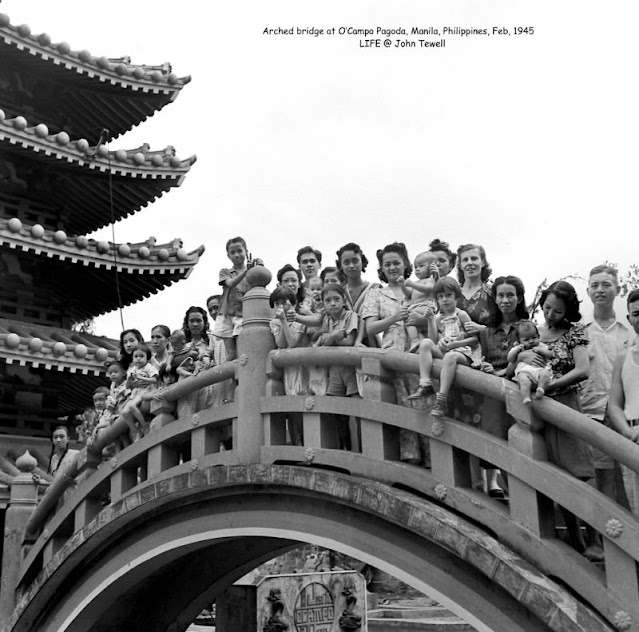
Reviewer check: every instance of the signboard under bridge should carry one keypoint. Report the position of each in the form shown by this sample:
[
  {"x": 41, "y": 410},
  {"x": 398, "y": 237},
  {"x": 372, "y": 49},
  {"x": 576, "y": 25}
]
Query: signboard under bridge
[{"x": 312, "y": 602}]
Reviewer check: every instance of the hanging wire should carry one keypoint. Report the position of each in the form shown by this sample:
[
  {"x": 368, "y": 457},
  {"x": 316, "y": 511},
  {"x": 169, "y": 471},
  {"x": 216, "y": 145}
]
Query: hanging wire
[{"x": 104, "y": 139}]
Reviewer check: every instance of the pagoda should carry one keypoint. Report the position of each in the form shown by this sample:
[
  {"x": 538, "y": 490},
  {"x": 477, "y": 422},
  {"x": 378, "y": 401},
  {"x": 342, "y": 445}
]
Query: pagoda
[{"x": 59, "y": 181}]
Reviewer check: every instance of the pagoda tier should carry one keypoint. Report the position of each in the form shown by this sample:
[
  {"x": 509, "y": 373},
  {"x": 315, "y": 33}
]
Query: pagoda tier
[
  {"x": 47, "y": 373},
  {"x": 51, "y": 278},
  {"x": 75, "y": 90},
  {"x": 73, "y": 185}
]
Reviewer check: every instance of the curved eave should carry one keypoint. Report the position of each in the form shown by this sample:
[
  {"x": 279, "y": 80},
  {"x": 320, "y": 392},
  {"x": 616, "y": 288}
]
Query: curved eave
[
  {"x": 136, "y": 163},
  {"x": 145, "y": 257},
  {"x": 119, "y": 73},
  {"x": 90, "y": 177},
  {"x": 54, "y": 349}
]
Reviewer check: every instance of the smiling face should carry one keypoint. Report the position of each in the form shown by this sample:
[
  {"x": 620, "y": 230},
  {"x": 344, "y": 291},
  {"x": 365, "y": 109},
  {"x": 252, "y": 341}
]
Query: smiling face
[
  {"x": 393, "y": 266},
  {"x": 351, "y": 263},
  {"x": 236, "y": 253},
  {"x": 129, "y": 342},
  {"x": 602, "y": 289},
  {"x": 471, "y": 263}
]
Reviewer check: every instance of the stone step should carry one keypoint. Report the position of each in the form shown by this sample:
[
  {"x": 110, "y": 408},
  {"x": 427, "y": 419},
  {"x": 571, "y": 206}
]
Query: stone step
[{"x": 448, "y": 623}]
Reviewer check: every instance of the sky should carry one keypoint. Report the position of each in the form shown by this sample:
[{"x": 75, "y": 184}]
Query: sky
[{"x": 525, "y": 143}]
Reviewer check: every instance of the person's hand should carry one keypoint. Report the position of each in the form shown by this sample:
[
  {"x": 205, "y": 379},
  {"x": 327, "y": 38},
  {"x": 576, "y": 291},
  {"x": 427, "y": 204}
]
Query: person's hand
[
  {"x": 280, "y": 314},
  {"x": 290, "y": 315},
  {"x": 472, "y": 327},
  {"x": 434, "y": 271},
  {"x": 633, "y": 434},
  {"x": 401, "y": 280},
  {"x": 530, "y": 356},
  {"x": 417, "y": 319},
  {"x": 401, "y": 314},
  {"x": 304, "y": 311},
  {"x": 445, "y": 344}
]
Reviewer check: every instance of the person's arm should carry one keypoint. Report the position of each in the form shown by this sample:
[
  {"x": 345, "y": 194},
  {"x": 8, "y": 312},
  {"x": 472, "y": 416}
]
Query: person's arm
[
  {"x": 514, "y": 352},
  {"x": 616, "y": 403},
  {"x": 579, "y": 373},
  {"x": 230, "y": 281},
  {"x": 405, "y": 288},
  {"x": 544, "y": 351},
  {"x": 469, "y": 341},
  {"x": 425, "y": 286},
  {"x": 314, "y": 320},
  {"x": 277, "y": 329},
  {"x": 376, "y": 325}
]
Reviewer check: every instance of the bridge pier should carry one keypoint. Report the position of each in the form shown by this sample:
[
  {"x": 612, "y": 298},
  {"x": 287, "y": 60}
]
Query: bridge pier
[{"x": 24, "y": 498}]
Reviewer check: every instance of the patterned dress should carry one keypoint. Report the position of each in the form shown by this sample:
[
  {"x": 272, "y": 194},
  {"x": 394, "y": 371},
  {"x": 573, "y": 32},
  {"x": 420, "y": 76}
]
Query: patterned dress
[
  {"x": 564, "y": 449},
  {"x": 382, "y": 303}
]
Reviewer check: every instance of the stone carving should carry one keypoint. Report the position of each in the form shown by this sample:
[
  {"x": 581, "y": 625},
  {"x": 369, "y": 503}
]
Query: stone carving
[
  {"x": 614, "y": 528},
  {"x": 350, "y": 621},
  {"x": 275, "y": 622}
]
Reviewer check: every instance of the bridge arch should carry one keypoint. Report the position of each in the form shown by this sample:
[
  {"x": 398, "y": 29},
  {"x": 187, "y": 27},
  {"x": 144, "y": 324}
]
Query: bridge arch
[{"x": 192, "y": 534}]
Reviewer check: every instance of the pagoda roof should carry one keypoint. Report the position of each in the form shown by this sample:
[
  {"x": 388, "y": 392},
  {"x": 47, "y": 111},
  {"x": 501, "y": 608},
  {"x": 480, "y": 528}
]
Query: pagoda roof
[
  {"x": 106, "y": 92},
  {"x": 83, "y": 187},
  {"x": 87, "y": 265},
  {"x": 54, "y": 348}
]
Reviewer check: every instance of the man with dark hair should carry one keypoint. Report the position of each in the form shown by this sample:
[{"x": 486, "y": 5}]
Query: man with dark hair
[{"x": 309, "y": 260}]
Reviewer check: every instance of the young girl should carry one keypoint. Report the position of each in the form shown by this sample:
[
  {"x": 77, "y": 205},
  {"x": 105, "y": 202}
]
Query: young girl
[
  {"x": 118, "y": 395},
  {"x": 527, "y": 373},
  {"x": 287, "y": 335},
  {"x": 420, "y": 293},
  {"x": 61, "y": 454},
  {"x": 329, "y": 275},
  {"x": 446, "y": 339},
  {"x": 142, "y": 377},
  {"x": 339, "y": 328}
]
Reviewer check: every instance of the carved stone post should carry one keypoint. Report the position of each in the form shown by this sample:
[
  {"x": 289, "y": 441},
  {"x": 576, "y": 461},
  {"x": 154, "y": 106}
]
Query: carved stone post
[
  {"x": 24, "y": 498},
  {"x": 254, "y": 343}
]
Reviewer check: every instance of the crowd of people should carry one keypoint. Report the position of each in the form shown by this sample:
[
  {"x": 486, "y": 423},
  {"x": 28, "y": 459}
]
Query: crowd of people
[{"x": 414, "y": 307}]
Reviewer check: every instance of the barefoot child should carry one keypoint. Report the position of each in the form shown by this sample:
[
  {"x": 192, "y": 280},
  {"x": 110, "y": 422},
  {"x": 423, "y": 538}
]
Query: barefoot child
[
  {"x": 446, "y": 340},
  {"x": 527, "y": 374},
  {"x": 421, "y": 292}
]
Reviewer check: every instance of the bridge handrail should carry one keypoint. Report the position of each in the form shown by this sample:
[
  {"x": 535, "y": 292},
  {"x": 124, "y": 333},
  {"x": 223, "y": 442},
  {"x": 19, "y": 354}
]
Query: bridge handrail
[{"x": 171, "y": 393}]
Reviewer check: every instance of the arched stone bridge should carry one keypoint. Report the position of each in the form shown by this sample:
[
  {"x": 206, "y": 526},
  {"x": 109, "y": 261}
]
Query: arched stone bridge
[{"x": 186, "y": 517}]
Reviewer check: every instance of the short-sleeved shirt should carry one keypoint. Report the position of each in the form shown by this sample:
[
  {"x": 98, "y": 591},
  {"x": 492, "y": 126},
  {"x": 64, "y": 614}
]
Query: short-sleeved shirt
[
  {"x": 231, "y": 301},
  {"x": 496, "y": 342},
  {"x": 604, "y": 348},
  {"x": 563, "y": 360},
  {"x": 382, "y": 303},
  {"x": 480, "y": 307},
  {"x": 347, "y": 322}
]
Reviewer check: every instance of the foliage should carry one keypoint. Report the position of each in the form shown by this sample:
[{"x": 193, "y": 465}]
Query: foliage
[{"x": 86, "y": 326}]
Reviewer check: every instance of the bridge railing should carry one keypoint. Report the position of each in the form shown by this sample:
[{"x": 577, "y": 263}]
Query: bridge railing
[{"x": 256, "y": 426}]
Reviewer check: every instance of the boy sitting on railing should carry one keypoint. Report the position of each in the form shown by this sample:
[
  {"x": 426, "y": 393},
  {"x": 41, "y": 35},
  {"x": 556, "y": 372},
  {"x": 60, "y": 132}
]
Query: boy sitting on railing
[{"x": 339, "y": 328}]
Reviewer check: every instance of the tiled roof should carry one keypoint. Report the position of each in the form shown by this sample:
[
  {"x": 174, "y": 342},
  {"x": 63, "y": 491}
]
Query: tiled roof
[
  {"x": 54, "y": 348},
  {"x": 111, "y": 93},
  {"x": 81, "y": 270},
  {"x": 79, "y": 173},
  {"x": 145, "y": 257}
]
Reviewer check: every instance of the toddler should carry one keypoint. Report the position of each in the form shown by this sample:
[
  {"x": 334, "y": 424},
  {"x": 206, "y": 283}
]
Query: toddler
[
  {"x": 228, "y": 323},
  {"x": 527, "y": 374},
  {"x": 142, "y": 377},
  {"x": 91, "y": 416},
  {"x": 420, "y": 293},
  {"x": 314, "y": 291},
  {"x": 183, "y": 357},
  {"x": 447, "y": 340},
  {"x": 339, "y": 328},
  {"x": 118, "y": 394}
]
